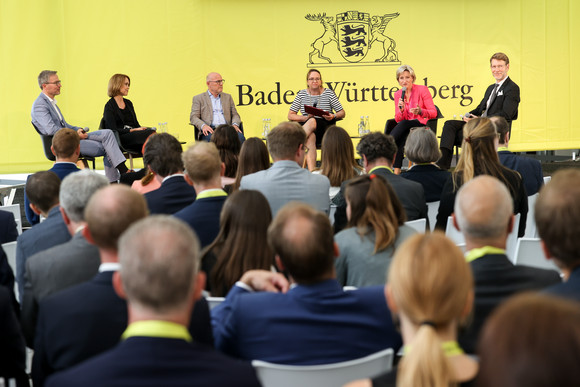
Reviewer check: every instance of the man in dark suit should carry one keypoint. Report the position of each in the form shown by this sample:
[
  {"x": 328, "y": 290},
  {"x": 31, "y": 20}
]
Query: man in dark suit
[
  {"x": 530, "y": 169},
  {"x": 8, "y": 228},
  {"x": 484, "y": 214},
  {"x": 68, "y": 264},
  {"x": 316, "y": 321},
  {"x": 159, "y": 277},
  {"x": 203, "y": 215},
  {"x": 501, "y": 99},
  {"x": 557, "y": 210},
  {"x": 12, "y": 348},
  {"x": 42, "y": 190},
  {"x": 163, "y": 156},
  {"x": 378, "y": 151}
]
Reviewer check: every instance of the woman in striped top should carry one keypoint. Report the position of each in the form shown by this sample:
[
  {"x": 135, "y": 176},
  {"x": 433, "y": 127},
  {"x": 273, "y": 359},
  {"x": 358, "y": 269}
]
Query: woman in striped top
[{"x": 317, "y": 96}]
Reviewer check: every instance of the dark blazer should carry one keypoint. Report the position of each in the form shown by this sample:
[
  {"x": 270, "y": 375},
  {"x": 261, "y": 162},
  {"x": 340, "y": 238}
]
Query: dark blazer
[
  {"x": 530, "y": 169},
  {"x": 8, "y": 228},
  {"x": 431, "y": 177},
  {"x": 496, "y": 279},
  {"x": 12, "y": 348},
  {"x": 153, "y": 361},
  {"x": 114, "y": 120},
  {"x": 410, "y": 193},
  {"x": 203, "y": 216},
  {"x": 88, "y": 319},
  {"x": 311, "y": 324},
  {"x": 173, "y": 195},
  {"x": 569, "y": 289},
  {"x": 505, "y": 103}
]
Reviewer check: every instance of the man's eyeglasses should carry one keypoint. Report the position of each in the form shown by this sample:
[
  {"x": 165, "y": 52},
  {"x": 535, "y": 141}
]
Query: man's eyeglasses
[
  {"x": 220, "y": 82},
  {"x": 314, "y": 79},
  {"x": 53, "y": 83}
]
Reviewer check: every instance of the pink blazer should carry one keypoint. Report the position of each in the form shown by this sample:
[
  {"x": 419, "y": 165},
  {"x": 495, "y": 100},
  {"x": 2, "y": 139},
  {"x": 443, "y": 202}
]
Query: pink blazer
[{"x": 419, "y": 95}]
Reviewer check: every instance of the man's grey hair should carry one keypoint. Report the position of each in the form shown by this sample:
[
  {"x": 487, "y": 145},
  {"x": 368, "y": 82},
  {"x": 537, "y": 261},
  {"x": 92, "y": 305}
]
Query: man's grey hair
[
  {"x": 483, "y": 207},
  {"x": 76, "y": 189},
  {"x": 159, "y": 258},
  {"x": 44, "y": 77}
]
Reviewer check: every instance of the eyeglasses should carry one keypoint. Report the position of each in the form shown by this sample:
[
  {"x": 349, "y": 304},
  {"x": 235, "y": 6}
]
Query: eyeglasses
[
  {"x": 314, "y": 79},
  {"x": 305, "y": 149},
  {"x": 53, "y": 83},
  {"x": 220, "y": 82}
]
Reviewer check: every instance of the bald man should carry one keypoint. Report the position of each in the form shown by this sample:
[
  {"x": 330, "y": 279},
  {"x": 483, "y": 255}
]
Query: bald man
[{"x": 484, "y": 214}]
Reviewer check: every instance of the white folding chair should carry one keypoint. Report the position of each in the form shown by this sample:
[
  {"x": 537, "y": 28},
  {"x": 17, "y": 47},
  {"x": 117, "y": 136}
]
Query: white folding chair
[
  {"x": 327, "y": 375},
  {"x": 15, "y": 209},
  {"x": 418, "y": 224},
  {"x": 212, "y": 302},
  {"x": 452, "y": 233},
  {"x": 331, "y": 213},
  {"x": 432, "y": 209},
  {"x": 547, "y": 179},
  {"x": 531, "y": 230},
  {"x": 529, "y": 253},
  {"x": 512, "y": 239}
]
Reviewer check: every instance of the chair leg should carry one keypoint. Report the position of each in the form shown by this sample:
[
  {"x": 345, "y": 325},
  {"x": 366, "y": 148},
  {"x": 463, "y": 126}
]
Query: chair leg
[{"x": 131, "y": 161}]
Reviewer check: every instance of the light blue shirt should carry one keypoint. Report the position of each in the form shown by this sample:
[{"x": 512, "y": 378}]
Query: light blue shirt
[{"x": 218, "y": 111}]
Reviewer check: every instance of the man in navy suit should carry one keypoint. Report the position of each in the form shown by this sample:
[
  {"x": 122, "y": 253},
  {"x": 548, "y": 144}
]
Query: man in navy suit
[
  {"x": 48, "y": 119},
  {"x": 501, "y": 99},
  {"x": 159, "y": 276},
  {"x": 203, "y": 215},
  {"x": 163, "y": 156},
  {"x": 557, "y": 211},
  {"x": 484, "y": 214},
  {"x": 12, "y": 348},
  {"x": 530, "y": 169},
  {"x": 316, "y": 321}
]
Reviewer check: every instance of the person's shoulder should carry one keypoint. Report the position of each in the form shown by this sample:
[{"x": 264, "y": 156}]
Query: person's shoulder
[
  {"x": 254, "y": 178},
  {"x": 543, "y": 277},
  {"x": 200, "y": 96}
]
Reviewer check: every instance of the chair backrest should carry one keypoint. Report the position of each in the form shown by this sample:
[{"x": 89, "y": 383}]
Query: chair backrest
[
  {"x": 529, "y": 253},
  {"x": 531, "y": 229},
  {"x": 432, "y": 123},
  {"x": 547, "y": 179},
  {"x": 212, "y": 302},
  {"x": 327, "y": 375},
  {"x": 15, "y": 209},
  {"x": 419, "y": 224},
  {"x": 512, "y": 240},
  {"x": 46, "y": 144},
  {"x": 432, "y": 209},
  {"x": 457, "y": 237},
  {"x": 452, "y": 233}
]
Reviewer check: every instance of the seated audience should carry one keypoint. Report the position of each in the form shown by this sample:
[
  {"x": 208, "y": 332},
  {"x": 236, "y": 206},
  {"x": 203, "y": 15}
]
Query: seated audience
[
  {"x": 484, "y": 215},
  {"x": 376, "y": 222},
  {"x": 532, "y": 340},
  {"x": 241, "y": 244},
  {"x": 8, "y": 227},
  {"x": 479, "y": 157},
  {"x": 228, "y": 144},
  {"x": 530, "y": 169},
  {"x": 145, "y": 180},
  {"x": 316, "y": 321},
  {"x": 163, "y": 157},
  {"x": 337, "y": 159},
  {"x": 557, "y": 211},
  {"x": 68, "y": 264},
  {"x": 12, "y": 347},
  {"x": 159, "y": 257},
  {"x": 204, "y": 171},
  {"x": 422, "y": 150},
  {"x": 254, "y": 157},
  {"x": 430, "y": 291},
  {"x": 378, "y": 151},
  {"x": 286, "y": 180}
]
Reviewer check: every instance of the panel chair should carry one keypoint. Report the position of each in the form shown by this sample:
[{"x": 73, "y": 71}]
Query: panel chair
[
  {"x": 432, "y": 210},
  {"x": 15, "y": 210},
  {"x": 47, "y": 143},
  {"x": 529, "y": 252},
  {"x": 420, "y": 225},
  {"x": 129, "y": 154},
  {"x": 327, "y": 375}
]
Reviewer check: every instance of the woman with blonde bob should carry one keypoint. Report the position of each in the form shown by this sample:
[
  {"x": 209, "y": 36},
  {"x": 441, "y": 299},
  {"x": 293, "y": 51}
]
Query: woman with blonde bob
[
  {"x": 479, "y": 157},
  {"x": 430, "y": 291},
  {"x": 376, "y": 228}
]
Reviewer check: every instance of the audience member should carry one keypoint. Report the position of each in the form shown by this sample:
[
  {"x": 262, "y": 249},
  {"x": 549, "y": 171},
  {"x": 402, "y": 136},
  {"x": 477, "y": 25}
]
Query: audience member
[
  {"x": 241, "y": 244},
  {"x": 204, "y": 171},
  {"x": 286, "y": 180},
  {"x": 479, "y": 157},
  {"x": 422, "y": 150},
  {"x": 12, "y": 347},
  {"x": 532, "y": 340},
  {"x": 337, "y": 159},
  {"x": 48, "y": 119},
  {"x": 376, "y": 222},
  {"x": 430, "y": 290},
  {"x": 227, "y": 143},
  {"x": 145, "y": 181},
  {"x": 68, "y": 264},
  {"x": 557, "y": 211},
  {"x": 254, "y": 157},
  {"x": 42, "y": 189},
  {"x": 8, "y": 227},
  {"x": 163, "y": 157},
  {"x": 484, "y": 214},
  {"x": 316, "y": 321},
  {"x": 528, "y": 168},
  {"x": 378, "y": 151},
  {"x": 159, "y": 257}
]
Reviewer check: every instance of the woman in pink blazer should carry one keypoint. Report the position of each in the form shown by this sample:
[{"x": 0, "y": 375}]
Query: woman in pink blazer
[{"x": 413, "y": 109}]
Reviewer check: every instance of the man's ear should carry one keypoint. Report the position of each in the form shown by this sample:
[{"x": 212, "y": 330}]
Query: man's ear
[
  {"x": 118, "y": 285},
  {"x": 455, "y": 223},
  {"x": 279, "y": 263},
  {"x": 199, "y": 285},
  {"x": 511, "y": 224},
  {"x": 64, "y": 216},
  {"x": 87, "y": 234},
  {"x": 52, "y": 150},
  {"x": 336, "y": 250},
  {"x": 188, "y": 179},
  {"x": 35, "y": 209},
  {"x": 545, "y": 249},
  {"x": 223, "y": 169}
]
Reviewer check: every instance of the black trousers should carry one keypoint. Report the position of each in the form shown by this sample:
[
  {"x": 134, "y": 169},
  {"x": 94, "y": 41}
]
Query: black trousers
[
  {"x": 452, "y": 135},
  {"x": 400, "y": 133}
]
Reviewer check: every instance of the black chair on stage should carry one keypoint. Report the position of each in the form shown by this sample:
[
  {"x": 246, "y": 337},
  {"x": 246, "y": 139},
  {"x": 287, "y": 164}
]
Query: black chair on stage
[
  {"x": 197, "y": 131},
  {"x": 129, "y": 154},
  {"x": 47, "y": 143}
]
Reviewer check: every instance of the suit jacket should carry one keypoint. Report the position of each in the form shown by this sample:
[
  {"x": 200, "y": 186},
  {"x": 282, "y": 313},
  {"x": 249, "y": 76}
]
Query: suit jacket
[
  {"x": 505, "y": 103},
  {"x": 173, "y": 195},
  {"x": 114, "y": 120},
  {"x": 154, "y": 361},
  {"x": 88, "y": 319},
  {"x": 202, "y": 110},
  {"x": 50, "y": 233},
  {"x": 203, "y": 216},
  {"x": 410, "y": 193},
  {"x": 8, "y": 228},
  {"x": 49, "y": 271},
  {"x": 286, "y": 181},
  {"x": 431, "y": 177},
  {"x": 569, "y": 289},
  {"x": 530, "y": 169},
  {"x": 46, "y": 119},
  {"x": 496, "y": 279},
  {"x": 311, "y": 324},
  {"x": 12, "y": 349}
]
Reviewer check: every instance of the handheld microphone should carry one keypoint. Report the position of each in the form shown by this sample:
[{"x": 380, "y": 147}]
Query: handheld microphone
[{"x": 403, "y": 98}]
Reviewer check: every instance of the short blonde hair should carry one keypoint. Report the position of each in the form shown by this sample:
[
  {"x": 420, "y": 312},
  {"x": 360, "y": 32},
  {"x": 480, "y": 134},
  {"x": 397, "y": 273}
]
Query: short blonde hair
[
  {"x": 202, "y": 162},
  {"x": 404, "y": 68}
]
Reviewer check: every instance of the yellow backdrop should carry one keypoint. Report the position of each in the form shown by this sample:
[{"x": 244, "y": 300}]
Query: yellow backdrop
[{"x": 167, "y": 47}]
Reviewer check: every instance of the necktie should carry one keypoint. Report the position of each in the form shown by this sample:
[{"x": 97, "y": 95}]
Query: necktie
[{"x": 490, "y": 100}]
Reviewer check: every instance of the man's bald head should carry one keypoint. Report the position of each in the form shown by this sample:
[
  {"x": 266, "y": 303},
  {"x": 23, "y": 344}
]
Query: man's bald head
[{"x": 483, "y": 208}]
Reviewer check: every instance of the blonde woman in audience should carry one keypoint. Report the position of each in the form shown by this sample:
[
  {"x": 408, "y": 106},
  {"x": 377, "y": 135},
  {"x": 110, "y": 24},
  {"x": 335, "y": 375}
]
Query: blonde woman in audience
[
  {"x": 253, "y": 157},
  {"x": 430, "y": 291},
  {"x": 376, "y": 228}
]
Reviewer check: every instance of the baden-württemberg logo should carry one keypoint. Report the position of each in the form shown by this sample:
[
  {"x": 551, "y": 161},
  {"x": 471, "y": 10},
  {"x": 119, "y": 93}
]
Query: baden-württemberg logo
[{"x": 353, "y": 34}]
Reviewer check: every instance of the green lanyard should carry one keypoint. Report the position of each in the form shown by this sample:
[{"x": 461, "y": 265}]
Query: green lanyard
[{"x": 474, "y": 254}]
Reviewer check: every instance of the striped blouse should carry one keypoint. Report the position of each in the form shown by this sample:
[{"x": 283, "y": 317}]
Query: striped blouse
[{"x": 327, "y": 101}]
